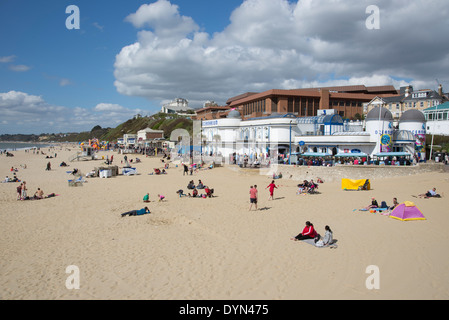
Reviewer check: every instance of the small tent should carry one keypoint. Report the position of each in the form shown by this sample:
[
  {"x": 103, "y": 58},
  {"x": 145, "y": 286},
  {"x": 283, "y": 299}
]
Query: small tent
[
  {"x": 407, "y": 211},
  {"x": 349, "y": 184}
]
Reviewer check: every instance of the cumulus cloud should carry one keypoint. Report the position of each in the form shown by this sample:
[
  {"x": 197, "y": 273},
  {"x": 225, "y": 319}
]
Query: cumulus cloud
[
  {"x": 35, "y": 115},
  {"x": 282, "y": 44}
]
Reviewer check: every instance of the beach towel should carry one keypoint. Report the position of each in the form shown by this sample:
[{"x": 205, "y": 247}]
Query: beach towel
[{"x": 312, "y": 242}]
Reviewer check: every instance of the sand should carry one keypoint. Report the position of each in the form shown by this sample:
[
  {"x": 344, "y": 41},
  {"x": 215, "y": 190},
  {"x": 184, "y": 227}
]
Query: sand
[{"x": 214, "y": 248}]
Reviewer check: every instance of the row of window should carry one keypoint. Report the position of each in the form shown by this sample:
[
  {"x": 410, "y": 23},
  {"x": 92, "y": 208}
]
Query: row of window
[{"x": 300, "y": 106}]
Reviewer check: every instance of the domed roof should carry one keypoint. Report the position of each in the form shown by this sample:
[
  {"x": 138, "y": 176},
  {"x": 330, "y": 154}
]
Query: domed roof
[
  {"x": 412, "y": 115},
  {"x": 234, "y": 114},
  {"x": 385, "y": 115}
]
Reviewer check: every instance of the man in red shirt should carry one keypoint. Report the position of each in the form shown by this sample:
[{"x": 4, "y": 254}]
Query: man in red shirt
[{"x": 253, "y": 196}]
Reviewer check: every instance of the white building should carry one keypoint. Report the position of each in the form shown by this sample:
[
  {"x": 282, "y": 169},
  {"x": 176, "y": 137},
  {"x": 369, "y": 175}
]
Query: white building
[
  {"x": 178, "y": 105},
  {"x": 129, "y": 139},
  {"x": 288, "y": 137},
  {"x": 437, "y": 119}
]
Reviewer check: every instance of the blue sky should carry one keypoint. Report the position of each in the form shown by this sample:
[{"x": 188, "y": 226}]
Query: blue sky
[{"x": 130, "y": 57}]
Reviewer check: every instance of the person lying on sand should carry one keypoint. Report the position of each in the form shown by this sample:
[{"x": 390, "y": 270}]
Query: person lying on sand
[
  {"x": 137, "y": 212},
  {"x": 430, "y": 194}
]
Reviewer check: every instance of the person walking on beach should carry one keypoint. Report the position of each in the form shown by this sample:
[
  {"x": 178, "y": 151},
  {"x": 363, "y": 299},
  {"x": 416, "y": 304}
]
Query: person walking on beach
[
  {"x": 253, "y": 197},
  {"x": 272, "y": 186}
]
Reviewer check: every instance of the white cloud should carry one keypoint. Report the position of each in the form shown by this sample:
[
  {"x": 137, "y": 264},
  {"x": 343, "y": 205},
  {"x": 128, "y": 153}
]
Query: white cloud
[
  {"x": 25, "y": 113},
  {"x": 64, "y": 82},
  {"x": 164, "y": 18},
  {"x": 7, "y": 59},
  {"x": 19, "y": 68},
  {"x": 282, "y": 44}
]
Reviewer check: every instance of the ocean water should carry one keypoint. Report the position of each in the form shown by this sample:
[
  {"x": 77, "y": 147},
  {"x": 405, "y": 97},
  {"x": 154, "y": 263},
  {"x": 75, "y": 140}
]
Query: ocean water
[{"x": 12, "y": 146}]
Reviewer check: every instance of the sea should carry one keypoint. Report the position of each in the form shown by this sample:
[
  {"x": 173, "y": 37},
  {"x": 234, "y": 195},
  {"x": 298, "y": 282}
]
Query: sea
[{"x": 14, "y": 146}]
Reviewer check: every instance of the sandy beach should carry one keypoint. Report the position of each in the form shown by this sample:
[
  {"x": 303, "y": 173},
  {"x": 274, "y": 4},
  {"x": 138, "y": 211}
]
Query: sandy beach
[{"x": 214, "y": 248}]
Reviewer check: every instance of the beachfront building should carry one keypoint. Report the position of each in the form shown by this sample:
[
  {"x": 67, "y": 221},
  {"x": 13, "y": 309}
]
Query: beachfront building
[
  {"x": 288, "y": 138},
  {"x": 347, "y": 101},
  {"x": 212, "y": 112},
  {"x": 437, "y": 119},
  {"x": 150, "y": 138},
  {"x": 129, "y": 139}
]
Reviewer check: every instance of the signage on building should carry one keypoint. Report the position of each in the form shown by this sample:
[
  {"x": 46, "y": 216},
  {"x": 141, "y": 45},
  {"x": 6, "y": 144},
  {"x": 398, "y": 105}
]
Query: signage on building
[{"x": 210, "y": 123}]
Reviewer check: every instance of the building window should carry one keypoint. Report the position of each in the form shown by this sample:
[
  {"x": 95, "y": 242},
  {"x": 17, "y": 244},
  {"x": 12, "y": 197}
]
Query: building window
[{"x": 290, "y": 105}]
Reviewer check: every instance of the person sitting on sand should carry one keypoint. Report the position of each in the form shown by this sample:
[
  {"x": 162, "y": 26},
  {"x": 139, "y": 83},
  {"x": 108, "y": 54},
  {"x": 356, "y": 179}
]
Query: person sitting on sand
[
  {"x": 137, "y": 212},
  {"x": 373, "y": 204},
  {"x": 191, "y": 185},
  {"x": 39, "y": 194},
  {"x": 307, "y": 233},
  {"x": 161, "y": 197},
  {"x": 194, "y": 193},
  {"x": 146, "y": 198},
  {"x": 395, "y": 204},
  {"x": 303, "y": 187},
  {"x": 200, "y": 185},
  {"x": 277, "y": 176},
  {"x": 328, "y": 238},
  {"x": 208, "y": 191}
]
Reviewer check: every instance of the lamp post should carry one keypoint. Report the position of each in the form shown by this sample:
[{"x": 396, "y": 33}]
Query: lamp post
[
  {"x": 433, "y": 131},
  {"x": 290, "y": 144}
]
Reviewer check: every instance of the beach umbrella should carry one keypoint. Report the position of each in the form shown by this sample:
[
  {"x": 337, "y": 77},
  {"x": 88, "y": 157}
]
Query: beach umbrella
[{"x": 407, "y": 211}]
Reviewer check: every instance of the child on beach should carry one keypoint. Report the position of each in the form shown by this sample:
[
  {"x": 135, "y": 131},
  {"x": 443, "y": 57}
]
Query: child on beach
[
  {"x": 24, "y": 190},
  {"x": 146, "y": 198},
  {"x": 272, "y": 186},
  {"x": 161, "y": 197},
  {"x": 19, "y": 192}
]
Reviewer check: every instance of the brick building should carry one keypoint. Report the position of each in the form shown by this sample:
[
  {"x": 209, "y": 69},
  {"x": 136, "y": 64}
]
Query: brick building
[{"x": 346, "y": 100}]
